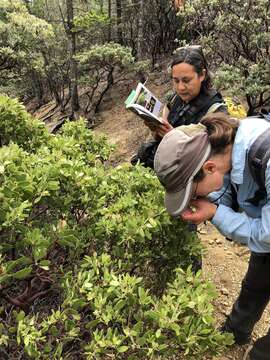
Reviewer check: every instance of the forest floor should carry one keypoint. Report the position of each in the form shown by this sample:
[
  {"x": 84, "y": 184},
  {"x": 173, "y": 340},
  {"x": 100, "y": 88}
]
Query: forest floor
[{"x": 224, "y": 263}]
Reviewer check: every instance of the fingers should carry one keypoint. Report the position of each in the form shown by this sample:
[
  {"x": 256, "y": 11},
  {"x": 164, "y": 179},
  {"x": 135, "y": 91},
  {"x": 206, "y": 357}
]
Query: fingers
[
  {"x": 166, "y": 126},
  {"x": 191, "y": 217},
  {"x": 204, "y": 210},
  {"x": 159, "y": 131},
  {"x": 150, "y": 126},
  {"x": 164, "y": 129}
]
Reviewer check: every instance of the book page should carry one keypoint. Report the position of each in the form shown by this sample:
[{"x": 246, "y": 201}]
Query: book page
[
  {"x": 146, "y": 114},
  {"x": 145, "y": 104},
  {"x": 148, "y": 101}
]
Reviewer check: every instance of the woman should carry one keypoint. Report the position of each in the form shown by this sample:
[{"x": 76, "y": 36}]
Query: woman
[
  {"x": 191, "y": 162},
  {"x": 193, "y": 97}
]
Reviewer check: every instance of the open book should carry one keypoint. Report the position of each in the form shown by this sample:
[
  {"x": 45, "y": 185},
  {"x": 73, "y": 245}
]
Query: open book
[{"x": 145, "y": 104}]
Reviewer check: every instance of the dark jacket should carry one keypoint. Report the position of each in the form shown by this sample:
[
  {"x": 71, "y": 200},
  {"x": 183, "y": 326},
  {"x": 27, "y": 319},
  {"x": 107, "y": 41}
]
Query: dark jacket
[
  {"x": 191, "y": 113},
  {"x": 181, "y": 114}
]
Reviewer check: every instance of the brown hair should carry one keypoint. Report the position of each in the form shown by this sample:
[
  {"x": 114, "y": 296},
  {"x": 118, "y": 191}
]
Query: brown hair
[
  {"x": 221, "y": 129},
  {"x": 193, "y": 55}
]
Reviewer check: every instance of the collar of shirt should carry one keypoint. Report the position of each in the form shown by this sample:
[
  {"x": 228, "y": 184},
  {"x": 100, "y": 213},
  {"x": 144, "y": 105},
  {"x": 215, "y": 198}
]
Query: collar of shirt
[{"x": 248, "y": 131}]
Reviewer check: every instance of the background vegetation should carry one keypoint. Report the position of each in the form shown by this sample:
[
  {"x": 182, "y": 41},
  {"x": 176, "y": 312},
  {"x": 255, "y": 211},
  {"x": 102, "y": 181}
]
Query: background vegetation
[{"x": 75, "y": 51}]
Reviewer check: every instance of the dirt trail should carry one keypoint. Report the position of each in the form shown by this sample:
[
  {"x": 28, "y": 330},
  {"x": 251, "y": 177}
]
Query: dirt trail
[{"x": 224, "y": 262}]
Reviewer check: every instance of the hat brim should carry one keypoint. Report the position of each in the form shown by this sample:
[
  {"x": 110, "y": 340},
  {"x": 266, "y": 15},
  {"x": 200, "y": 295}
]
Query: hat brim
[{"x": 177, "y": 202}]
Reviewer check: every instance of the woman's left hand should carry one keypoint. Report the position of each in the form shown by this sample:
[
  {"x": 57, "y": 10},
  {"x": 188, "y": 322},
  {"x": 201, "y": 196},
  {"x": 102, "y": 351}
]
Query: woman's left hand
[{"x": 202, "y": 210}]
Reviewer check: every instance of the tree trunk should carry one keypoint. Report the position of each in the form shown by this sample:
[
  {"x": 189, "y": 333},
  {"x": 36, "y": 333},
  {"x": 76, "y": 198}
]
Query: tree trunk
[
  {"x": 38, "y": 86},
  {"x": 251, "y": 107},
  {"x": 140, "y": 32},
  {"x": 52, "y": 84},
  {"x": 119, "y": 21},
  {"x": 72, "y": 52},
  {"x": 110, "y": 17},
  {"x": 101, "y": 5},
  {"x": 110, "y": 81}
]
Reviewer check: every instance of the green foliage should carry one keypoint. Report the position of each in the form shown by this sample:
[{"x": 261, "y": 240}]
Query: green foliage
[
  {"x": 35, "y": 47},
  {"x": 24, "y": 46},
  {"x": 237, "y": 37},
  {"x": 90, "y": 21},
  {"x": 145, "y": 237},
  {"x": 61, "y": 202},
  {"x": 124, "y": 317},
  {"x": 45, "y": 339},
  {"x": 91, "y": 146},
  {"x": 110, "y": 54},
  {"x": 18, "y": 126},
  {"x": 22, "y": 35},
  {"x": 110, "y": 314},
  {"x": 101, "y": 63}
]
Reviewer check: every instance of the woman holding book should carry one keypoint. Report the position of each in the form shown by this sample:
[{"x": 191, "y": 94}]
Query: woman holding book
[{"x": 193, "y": 97}]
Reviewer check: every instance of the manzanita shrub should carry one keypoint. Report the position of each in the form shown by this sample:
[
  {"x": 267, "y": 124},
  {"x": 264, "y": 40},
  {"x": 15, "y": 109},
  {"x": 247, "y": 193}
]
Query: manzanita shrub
[
  {"x": 18, "y": 126},
  {"x": 91, "y": 266}
]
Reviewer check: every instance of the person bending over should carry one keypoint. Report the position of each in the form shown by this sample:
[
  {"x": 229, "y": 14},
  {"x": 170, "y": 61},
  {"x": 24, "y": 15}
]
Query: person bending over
[{"x": 192, "y": 162}]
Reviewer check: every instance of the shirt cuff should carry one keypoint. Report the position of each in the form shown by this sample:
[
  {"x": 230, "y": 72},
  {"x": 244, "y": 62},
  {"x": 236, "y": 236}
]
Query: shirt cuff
[{"x": 218, "y": 218}]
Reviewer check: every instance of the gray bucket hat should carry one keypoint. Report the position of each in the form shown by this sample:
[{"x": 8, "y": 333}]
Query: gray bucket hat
[{"x": 179, "y": 157}]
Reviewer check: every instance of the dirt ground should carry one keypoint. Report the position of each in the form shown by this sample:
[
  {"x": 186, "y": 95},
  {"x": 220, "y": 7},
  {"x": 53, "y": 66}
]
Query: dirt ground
[{"x": 224, "y": 262}]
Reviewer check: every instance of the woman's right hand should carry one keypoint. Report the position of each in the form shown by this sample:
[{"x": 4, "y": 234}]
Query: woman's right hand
[
  {"x": 153, "y": 129},
  {"x": 164, "y": 128},
  {"x": 203, "y": 210},
  {"x": 161, "y": 130}
]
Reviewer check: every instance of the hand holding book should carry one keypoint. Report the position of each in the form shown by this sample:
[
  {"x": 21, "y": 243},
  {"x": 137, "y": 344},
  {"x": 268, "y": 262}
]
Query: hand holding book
[
  {"x": 146, "y": 106},
  {"x": 163, "y": 129}
]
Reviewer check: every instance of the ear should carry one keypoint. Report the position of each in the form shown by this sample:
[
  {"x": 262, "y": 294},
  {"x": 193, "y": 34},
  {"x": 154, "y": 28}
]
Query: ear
[
  {"x": 209, "y": 167},
  {"x": 203, "y": 75}
]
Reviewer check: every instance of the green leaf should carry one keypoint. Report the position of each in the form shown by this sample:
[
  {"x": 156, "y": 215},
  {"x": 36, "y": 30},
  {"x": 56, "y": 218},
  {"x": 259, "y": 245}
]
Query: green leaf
[
  {"x": 20, "y": 316},
  {"x": 22, "y": 274},
  {"x": 39, "y": 252},
  {"x": 4, "y": 278},
  {"x": 54, "y": 331},
  {"x": 153, "y": 315},
  {"x": 92, "y": 324},
  {"x": 138, "y": 327},
  {"x": 44, "y": 264},
  {"x": 10, "y": 265},
  {"x": 53, "y": 185},
  {"x": 176, "y": 328},
  {"x": 122, "y": 349},
  {"x": 120, "y": 304}
]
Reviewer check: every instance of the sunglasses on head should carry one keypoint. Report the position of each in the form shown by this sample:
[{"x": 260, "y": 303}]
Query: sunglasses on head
[{"x": 192, "y": 47}]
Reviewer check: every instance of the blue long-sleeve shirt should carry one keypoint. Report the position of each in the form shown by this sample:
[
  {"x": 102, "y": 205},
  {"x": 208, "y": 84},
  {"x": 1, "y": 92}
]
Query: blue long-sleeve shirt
[{"x": 250, "y": 226}]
